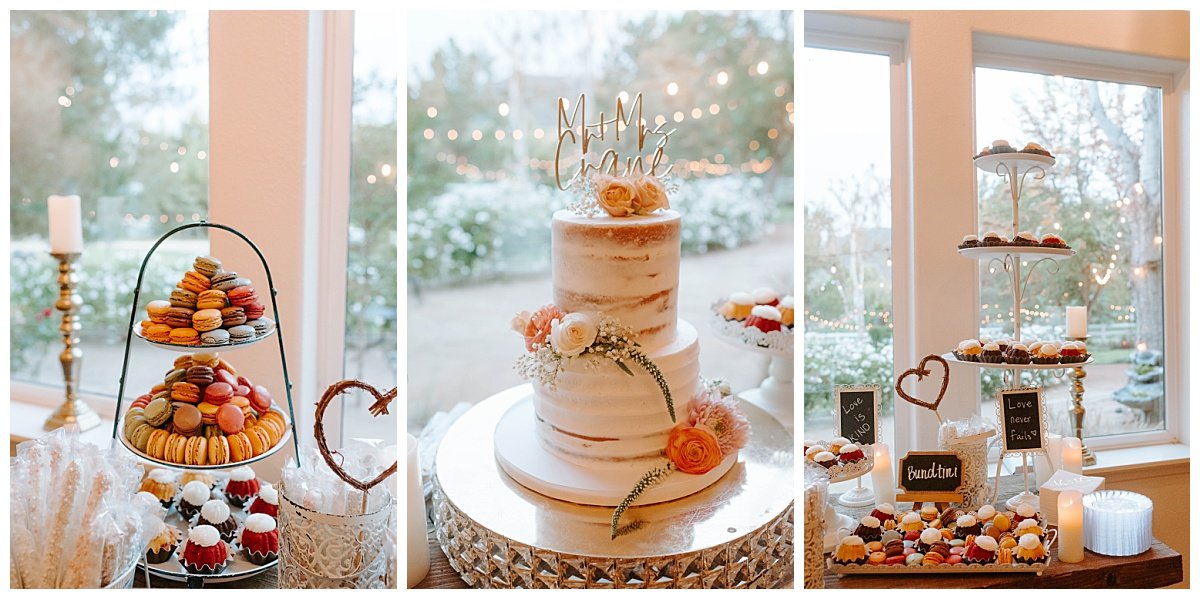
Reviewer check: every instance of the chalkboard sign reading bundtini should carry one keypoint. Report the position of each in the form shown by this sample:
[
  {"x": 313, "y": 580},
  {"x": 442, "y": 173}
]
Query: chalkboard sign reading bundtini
[
  {"x": 858, "y": 413},
  {"x": 1021, "y": 419},
  {"x": 930, "y": 476}
]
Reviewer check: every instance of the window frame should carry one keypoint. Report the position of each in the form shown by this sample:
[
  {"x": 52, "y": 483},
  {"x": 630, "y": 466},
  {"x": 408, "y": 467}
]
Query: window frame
[
  {"x": 324, "y": 70},
  {"x": 913, "y": 85}
]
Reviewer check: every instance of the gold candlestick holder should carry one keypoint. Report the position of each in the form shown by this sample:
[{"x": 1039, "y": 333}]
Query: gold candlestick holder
[
  {"x": 74, "y": 410},
  {"x": 1077, "y": 374}
]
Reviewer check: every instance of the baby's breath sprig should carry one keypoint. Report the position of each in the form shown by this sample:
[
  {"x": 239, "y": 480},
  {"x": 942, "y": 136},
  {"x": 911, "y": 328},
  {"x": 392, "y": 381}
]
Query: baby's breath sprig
[
  {"x": 649, "y": 479},
  {"x": 583, "y": 197}
]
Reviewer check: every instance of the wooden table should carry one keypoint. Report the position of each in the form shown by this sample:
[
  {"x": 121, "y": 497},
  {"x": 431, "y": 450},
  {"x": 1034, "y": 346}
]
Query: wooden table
[{"x": 1160, "y": 566}]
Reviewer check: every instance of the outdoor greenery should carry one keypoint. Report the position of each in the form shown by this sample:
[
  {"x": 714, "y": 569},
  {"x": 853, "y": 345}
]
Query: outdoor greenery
[{"x": 470, "y": 200}]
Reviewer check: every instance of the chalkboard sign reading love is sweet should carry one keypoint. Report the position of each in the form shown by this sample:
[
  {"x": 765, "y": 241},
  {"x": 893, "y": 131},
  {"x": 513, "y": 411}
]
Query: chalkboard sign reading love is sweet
[
  {"x": 1022, "y": 419},
  {"x": 858, "y": 413},
  {"x": 930, "y": 476}
]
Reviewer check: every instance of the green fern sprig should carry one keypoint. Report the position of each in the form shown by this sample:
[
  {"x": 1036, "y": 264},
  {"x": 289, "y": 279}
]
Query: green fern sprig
[
  {"x": 643, "y": 361},
  {"x": 649, "y": 479}
]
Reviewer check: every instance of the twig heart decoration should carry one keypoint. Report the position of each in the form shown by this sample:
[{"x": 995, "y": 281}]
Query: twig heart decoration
[
  {"x": 379, "y": 407},
  {"x": 921, "y": 372}
]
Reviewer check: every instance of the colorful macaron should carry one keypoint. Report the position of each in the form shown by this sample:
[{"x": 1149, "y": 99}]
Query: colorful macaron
[
  {"x": 185, "y": 392},
  {"x": 158, "y": 413},
  {"x": 214, "y": 337},
  {"x": 207, "y": 266},
  {"x": 213, "y": 299},
  {"x": 206, "y": 320},
  {"x": 262, "y": 326},
  {"x": 180, "y": 316},
  {"x": 255, "y": 311},
  {"x": 157, "y": 311},
  {"x": 208, "y": 413},
  {"x": 159, "y": 333},
  {"x": 231, "y": 419},
  {"x": 218, "y": 393},
  {"x": 183, "y": 298},
  {"x": 195, "y": 282},
  {"x": 229, "y": 283},
  {"x": 200, "y": 375},
  {"x": 231, "y": 316},
  {"x": 241, "y": 333},
  {"x": 186, "y": 420},
  {"x": 243, "y": 296}
]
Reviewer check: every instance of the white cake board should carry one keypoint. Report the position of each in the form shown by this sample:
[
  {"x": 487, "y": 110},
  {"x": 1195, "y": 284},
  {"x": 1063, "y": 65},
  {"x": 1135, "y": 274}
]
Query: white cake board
[{"x": 522, "y": 456}]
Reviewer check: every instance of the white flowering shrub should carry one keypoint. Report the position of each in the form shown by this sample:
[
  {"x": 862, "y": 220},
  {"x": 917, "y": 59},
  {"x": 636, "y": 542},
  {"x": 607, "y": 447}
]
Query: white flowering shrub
[
  {"x": 481, "y": 231},
  {"x": 832, "y": 359}
]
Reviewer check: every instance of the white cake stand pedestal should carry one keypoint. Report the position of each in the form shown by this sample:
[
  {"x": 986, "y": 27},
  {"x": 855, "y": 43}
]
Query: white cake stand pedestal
[
  {"x": 496, "y": 533},
  {"x": 777, "y": 393}
]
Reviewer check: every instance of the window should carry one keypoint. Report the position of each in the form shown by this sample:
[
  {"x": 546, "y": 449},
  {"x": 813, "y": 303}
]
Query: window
[
  {"x": 1105, "y": 198},
  {"x": 481, "y": 137},
  {"x": 847, "y": 246},
  {"x": 370, "y": 354},
  {"x": 111, "y": 106}
]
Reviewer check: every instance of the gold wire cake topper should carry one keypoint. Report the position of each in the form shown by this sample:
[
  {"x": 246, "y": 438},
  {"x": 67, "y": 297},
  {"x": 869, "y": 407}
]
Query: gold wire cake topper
[{"x": 575, "y": 129}]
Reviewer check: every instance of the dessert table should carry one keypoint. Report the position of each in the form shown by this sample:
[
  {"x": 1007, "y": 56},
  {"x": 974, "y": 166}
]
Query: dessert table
[
  {"x": 1160, "y": 566},
  {"x": 266, "y": 580}
]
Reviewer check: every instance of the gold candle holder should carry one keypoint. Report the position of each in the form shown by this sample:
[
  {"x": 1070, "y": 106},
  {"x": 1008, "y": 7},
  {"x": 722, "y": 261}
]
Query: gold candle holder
[
  {"x": 74, "y": 410},
  {"x": 1077, "y": 375}
]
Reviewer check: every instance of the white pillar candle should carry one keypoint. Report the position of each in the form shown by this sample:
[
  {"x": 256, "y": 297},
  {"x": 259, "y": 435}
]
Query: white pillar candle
[
  {"x": 418, "y": 540},
  {"x": 1077, "y": 321},
  {"x": 881, "y": 475},
  {"x": 1044, "y": 466},
  {"x": 1070, "y": 526},
  {"x": 66, "y": 225},
  {"x": 1072, "y": 455}
]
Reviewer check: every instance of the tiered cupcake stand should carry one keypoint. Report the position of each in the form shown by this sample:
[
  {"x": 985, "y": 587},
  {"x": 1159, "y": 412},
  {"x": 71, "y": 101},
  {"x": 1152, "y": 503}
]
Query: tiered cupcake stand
[
  {"x": 238, "y": 566},
  {"x": 777, "y": 393},
  {"x": 1019, "y": 263}
]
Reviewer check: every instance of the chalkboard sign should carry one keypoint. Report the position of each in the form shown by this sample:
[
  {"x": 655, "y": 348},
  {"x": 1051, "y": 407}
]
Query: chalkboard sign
[
  {"x": 930, "y": 474},
  {"x": 857, "y": 413},
  {"x": 1022, "y": 422}
]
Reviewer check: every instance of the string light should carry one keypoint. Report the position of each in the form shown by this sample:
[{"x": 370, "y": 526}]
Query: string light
[
  {"x": 722, "y": 78},
  {"x": 762, "y": 67},
  {"x": 502, "y": 109},
  {"x": 672, "y": 88},
  {"x": 431, "y": 112}
]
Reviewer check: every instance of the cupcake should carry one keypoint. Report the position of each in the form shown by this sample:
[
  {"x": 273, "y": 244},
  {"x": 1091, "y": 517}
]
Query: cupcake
[
  {"x": 911, "y": 522},
  {"x": 1072, "y": 352},
  {"x": 204, "y": 552},
  {"x": 787, "y": 311},
  {"x": 162, "y": 484},
  {"x": 204, "y": 477},
  {"x": 765, "y": 296},
  {"x": 967, "y": 525},
  {"x": 948, "y": 515},
  {"x": 153, "y": 504},
  {"x": 851, "y": 550},
  {"x": 1017, "y": 354},
  {"x": 195, "y": 495},
  {"x": 738, "y": 307},
  {"x": 992, "y": 353},
  {"x": 1001, "y": 146},
  {"x": 929, "y": 536},
  {"x": 980, "y": 550},
  {"x": 970, "y": 351},
  {"x": 969, "y": 241},
  {"x": 884, "y": 512},
  {"x": 1047, "y": 353},
  {"x": 1025, "y": 238},
  {"x": 1050, "y": 240},
  {"x": 849, "y": 454},
  {"x": 929, "y": 513},
  {"x": 216, "y": 514},
  {"x": 1030, "y": 526},
  {"x": 765, "y": 318},
  {"x": 984, "y": 151},
  {"x": 163, "y": 545},
  {"x": 986, "y": 513},
  {"x": 836, "y": 444},
  {"x": 1029, "y": 550},
  {"x": 1035, "y": 346},
  {"x": 267, "y": 502},
  {"x": 826, "y": 459},
  {"x": 810, "y": 454},
  {"x": 260, "y": 539},
  {"x": 1034, "y": 148},
  {"x": 1004, "y": 344},
  {"x": 242, "y": 486},
  {"x": 869, "y": 529},
  {"x": 1025, "y": 512},
  {"x": 993, "y": 239}
]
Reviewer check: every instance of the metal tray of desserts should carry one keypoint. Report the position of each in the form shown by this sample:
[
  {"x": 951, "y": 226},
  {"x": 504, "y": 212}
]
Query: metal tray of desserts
[
  {"x": 283, "y": 441},
  {"x": 200, "y": 348},
  {"x": 237, "y": 568},
  {"x": 963, "y": 568}
]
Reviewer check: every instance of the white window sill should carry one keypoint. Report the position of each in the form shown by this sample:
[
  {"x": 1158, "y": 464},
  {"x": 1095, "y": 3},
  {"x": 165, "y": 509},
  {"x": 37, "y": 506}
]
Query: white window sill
[
  {"x": 26, "y": 422},
  {"x": 1146, "y": 461}
]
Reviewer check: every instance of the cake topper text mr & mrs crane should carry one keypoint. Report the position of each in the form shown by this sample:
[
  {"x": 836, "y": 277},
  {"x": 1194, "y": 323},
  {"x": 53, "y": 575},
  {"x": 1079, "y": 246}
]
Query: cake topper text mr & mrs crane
[{"x": 574, "y": 129}]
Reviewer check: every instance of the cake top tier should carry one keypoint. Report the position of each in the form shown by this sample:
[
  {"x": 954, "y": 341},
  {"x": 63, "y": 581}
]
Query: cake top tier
[{"x": 627, "y": 268}]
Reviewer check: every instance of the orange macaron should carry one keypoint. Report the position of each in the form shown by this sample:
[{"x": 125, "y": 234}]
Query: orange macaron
[
  {"x": 239, "y": 447},
  {"x": 176, "y": 452},
  {"x": 196, "y": 451},
  {"x": 218, "y": 450},
  {"x": 156, "y": 447}
]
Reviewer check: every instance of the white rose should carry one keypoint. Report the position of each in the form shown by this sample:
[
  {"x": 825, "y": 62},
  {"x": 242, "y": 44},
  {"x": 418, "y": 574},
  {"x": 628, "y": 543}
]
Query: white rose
[
  {"x": 521, "y": 321},
  {"x": 651, "y": 195},
  {"x": 573, "y": 334}
]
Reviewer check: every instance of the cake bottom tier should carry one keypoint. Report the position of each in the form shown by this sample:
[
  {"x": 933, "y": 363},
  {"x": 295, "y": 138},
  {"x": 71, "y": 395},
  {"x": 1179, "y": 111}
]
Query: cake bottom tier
[{"x": 528, "y": 461}]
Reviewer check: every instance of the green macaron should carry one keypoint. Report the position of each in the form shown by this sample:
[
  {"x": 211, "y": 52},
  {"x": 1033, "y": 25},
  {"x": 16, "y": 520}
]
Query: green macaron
[
  {"x": 158, "y": 413},
  {"x": 141, "y": 436},
  {"x": 182, "y": 298},
  {"x": 175, "y": 376}
]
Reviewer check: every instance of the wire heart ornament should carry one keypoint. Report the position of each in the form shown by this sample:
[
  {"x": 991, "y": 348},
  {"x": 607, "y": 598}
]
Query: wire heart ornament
[
  {"x": 380, "y": 407},
  {"x": 921, "y": 372}
]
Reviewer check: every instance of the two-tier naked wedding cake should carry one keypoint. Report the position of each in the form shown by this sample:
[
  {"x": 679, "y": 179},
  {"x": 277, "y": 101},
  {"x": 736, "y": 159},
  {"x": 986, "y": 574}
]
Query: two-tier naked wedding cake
[{"x": 618, "y": 414}]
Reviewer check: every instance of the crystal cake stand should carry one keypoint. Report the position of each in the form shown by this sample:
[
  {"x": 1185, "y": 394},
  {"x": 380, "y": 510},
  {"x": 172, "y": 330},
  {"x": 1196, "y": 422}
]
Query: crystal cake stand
[{"x": 738, "y": 532}]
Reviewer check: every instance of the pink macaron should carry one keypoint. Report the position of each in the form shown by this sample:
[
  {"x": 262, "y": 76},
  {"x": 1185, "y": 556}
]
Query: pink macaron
[
  {"x": 260, "y": 400},
  {"x": 218, "y": 393},
  {"x": 230, "y": 419}
]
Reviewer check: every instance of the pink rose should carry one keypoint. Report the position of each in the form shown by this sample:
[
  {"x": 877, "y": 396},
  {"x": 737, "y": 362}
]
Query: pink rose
[
  {"x": 651, "y": 195},
  {"x": 537, "y": 329},
  {"x": 616, "y": 196}
]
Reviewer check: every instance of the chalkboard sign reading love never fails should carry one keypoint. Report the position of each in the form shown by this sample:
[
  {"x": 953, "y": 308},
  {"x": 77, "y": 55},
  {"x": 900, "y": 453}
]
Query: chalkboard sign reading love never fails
[
  {"x": 1022, "y": 419},
  {"x": 858, "y": 413}
]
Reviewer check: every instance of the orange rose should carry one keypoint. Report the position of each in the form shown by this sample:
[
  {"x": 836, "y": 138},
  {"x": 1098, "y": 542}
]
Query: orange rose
[
  {"x": 693, "y": 449},
  {"x": 616, "y": 196},
  {"x": 538, "y": 326},
  {"x": 651, "y": 194}
]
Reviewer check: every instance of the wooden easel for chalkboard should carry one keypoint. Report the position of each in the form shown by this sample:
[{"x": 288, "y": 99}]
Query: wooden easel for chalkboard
[{"x": 1021, "y": 412}]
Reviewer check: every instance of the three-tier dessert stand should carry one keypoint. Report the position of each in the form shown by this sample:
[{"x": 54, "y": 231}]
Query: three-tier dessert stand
[
  {"x": 1019, "y": 263},
  {"x": 238, "y": 568}
]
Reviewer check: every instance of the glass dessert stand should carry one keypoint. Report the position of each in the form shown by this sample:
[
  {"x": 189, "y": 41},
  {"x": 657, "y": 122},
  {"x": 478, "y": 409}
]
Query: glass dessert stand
[
  {"x": 496, "y": 533},
  {"x": 777, "y": 393},
  {"x": 238, "y": 567}
]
